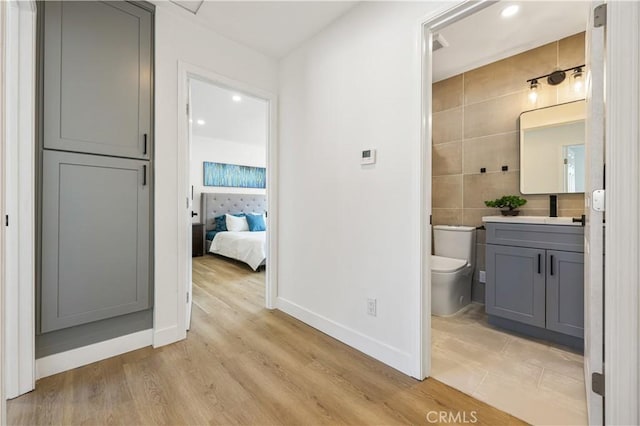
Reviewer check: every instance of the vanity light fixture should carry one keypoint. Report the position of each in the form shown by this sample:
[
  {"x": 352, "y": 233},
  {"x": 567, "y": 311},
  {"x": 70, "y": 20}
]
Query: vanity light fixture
[
  {"x": 577, "y": 77},
  {"x": 554, "y": 78},
  {"x": 533, "y": 90}
]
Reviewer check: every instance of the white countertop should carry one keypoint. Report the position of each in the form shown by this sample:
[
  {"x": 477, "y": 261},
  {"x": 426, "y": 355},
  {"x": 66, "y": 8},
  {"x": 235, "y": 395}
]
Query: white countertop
[{"x": 540, "y": 220}]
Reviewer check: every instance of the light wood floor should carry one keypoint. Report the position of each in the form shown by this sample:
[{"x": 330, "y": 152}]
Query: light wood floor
[{"x": 242, "y": 364}]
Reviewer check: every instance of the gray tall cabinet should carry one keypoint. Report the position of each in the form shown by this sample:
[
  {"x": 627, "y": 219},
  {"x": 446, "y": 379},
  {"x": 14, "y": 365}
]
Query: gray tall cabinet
[{"x": 96, "y": 150}]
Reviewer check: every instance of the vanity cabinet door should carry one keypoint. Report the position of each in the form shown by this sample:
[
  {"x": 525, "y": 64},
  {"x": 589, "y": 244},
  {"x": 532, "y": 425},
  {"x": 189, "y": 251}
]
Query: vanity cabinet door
[
  {"x": 515, "y": 287},
  {"x": 565, "y": 292}
]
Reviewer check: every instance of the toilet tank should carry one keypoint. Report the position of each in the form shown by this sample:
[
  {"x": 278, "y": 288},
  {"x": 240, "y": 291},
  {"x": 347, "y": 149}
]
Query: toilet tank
[{"x": 458, "y": 242}]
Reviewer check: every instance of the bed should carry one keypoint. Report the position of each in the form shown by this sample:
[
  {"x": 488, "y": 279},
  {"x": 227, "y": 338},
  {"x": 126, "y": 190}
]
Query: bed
[{"x": 248, "y": 247}]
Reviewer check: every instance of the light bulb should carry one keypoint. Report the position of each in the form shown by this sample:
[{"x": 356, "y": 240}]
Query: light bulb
[
  {"x": 577, "y": 85},
  {"x": 577, "y": 80},
  {"x": 533, "y": 91}
]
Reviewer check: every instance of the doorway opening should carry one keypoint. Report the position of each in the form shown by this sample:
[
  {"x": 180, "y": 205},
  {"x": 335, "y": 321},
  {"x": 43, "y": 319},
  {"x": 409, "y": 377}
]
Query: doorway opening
[
  {"x": 507, "y": 316},
  {"x": 229, "y": 140}
]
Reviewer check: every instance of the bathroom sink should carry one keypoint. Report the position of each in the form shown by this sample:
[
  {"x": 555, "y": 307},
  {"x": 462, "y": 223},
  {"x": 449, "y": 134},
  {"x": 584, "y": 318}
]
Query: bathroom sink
[{"x": 544, "y": 220}]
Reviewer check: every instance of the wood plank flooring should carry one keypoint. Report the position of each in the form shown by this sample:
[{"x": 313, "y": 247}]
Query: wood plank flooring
[{"x": 243, "y": 364}]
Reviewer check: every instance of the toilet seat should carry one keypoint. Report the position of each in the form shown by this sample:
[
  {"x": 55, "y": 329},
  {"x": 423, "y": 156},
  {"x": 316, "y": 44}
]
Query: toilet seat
[{"x": 446, "y": 264}]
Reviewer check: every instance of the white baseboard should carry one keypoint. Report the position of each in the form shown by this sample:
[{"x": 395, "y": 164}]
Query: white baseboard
[
  {"x": 63, "y": 361},
  {"x": 167, "y": 336},
  {"x": 381, "y": 351}
]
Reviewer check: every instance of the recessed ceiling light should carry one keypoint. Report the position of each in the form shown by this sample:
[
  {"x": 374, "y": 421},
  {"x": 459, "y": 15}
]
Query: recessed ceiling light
[
  {"x": 510, "y": 11},
  {"x": 201, "y": 122},
  {"x": 236, "y": 98}
]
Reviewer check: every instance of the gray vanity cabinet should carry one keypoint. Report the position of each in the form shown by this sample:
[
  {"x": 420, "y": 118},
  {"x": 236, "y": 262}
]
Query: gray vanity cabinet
[
  {"x": 535, "y": 280},
  {"x": 95, "y": 238},
  {"x": 97, "y": 78},
  {"x": 516, "y": 284},
  {"x": 565, "y": 292}
]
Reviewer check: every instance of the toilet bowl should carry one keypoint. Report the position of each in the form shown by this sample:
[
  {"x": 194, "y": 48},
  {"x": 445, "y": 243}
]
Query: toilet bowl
[
  {"x": 450, "y": 285},
  {"x": 452, "y": 268}
]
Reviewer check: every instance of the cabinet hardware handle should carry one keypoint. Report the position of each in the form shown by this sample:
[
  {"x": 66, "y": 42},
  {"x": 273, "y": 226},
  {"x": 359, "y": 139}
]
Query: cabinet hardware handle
[
  {"x": 551, "y": 266},
  {"x": 145, "y": 144},
  {"x": 539, "y": 263},
  {"x": 581, "y": 220},
  {"x": 144, "y": 175}
]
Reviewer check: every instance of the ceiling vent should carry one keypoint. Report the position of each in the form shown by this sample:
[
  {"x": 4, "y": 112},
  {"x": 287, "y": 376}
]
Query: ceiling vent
[
  {"x": 191, "y": 5},
  {"x": 439, "y": 42}
]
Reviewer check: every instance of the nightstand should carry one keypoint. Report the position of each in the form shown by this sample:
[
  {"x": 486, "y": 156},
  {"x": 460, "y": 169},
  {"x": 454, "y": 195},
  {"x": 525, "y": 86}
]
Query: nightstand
[{"x": 197, "y": 239}]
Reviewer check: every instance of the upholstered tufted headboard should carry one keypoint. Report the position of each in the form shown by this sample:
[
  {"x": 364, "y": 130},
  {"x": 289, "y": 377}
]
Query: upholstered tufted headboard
[{"x": 216, "y": 204}]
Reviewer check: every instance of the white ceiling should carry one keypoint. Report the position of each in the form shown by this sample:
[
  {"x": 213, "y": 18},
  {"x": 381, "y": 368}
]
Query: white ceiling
[
  {"x": 244, "y": 122},
  {"x": 486, "y": 37},
  {"x": 273, "y": 28}
]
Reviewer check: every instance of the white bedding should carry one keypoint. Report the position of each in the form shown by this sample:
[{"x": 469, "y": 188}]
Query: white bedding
[{"x": 248, "y": 247}]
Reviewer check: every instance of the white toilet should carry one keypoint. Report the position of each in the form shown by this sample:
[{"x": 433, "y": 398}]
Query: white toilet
[{"x": 452, "y": 268}]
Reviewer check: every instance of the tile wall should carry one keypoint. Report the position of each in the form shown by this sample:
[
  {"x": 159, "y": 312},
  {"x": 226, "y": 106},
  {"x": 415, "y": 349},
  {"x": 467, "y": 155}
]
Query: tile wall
[{"x": 475, "y": 125}]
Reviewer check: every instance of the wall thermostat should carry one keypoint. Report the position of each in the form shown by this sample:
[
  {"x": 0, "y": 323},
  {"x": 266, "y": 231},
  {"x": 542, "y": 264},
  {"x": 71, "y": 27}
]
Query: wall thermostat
[{"x": 368, "y": 156}]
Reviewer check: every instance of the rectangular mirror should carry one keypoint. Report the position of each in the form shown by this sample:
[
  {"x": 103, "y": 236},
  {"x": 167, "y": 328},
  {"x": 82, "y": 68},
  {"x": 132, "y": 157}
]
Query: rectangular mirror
[{"x": 552, "y": 149}]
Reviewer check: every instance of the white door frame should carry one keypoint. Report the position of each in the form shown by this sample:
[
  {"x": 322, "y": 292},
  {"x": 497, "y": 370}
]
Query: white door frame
[
  {"x": 187, "y": 71},
  {"x": 3, "y": 104},
  {"x": 19, "y": 196},
  {"x": 622, "y": 235},
  {"x": 427, "y": 27},
  {"x": 622, "y": 238},
  {"x": 593, "y": 231}
]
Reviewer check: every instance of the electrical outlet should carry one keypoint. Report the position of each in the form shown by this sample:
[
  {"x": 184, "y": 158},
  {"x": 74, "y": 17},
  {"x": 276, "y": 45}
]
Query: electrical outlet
[
  {"x": 372, "y": 307},
  {"x": 483, "y": 277}
]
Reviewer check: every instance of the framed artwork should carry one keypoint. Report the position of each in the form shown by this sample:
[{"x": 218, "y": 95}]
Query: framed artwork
[{"x": 233, "y": 175}]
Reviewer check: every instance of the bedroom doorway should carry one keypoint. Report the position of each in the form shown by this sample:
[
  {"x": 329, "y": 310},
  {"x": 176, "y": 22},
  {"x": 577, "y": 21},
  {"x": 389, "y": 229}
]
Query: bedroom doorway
[{"x": 229, "y": 133}]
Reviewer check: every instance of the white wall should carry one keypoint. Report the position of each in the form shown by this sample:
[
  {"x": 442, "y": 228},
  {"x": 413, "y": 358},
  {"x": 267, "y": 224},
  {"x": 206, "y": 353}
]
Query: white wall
[
  {"x": 179, "y": 38},
  {"x": 348, "y": 232},
  {"x": 222, "y": 151}
]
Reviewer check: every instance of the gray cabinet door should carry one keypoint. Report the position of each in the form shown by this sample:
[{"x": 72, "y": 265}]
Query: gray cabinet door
[
  {"x": 565, "y": 292},
  {"x": 515, "y": 286},
  {"x": 95, "y": 238},
  {"x": 97, "y": 78}
]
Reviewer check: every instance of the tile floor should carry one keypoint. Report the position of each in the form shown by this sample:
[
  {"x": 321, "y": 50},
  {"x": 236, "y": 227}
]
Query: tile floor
[{"x": 540, "y": 383}]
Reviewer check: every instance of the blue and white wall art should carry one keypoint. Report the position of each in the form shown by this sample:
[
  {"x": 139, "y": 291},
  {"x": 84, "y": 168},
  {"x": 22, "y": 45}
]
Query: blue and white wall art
[{"x": 233, "y": 175}]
